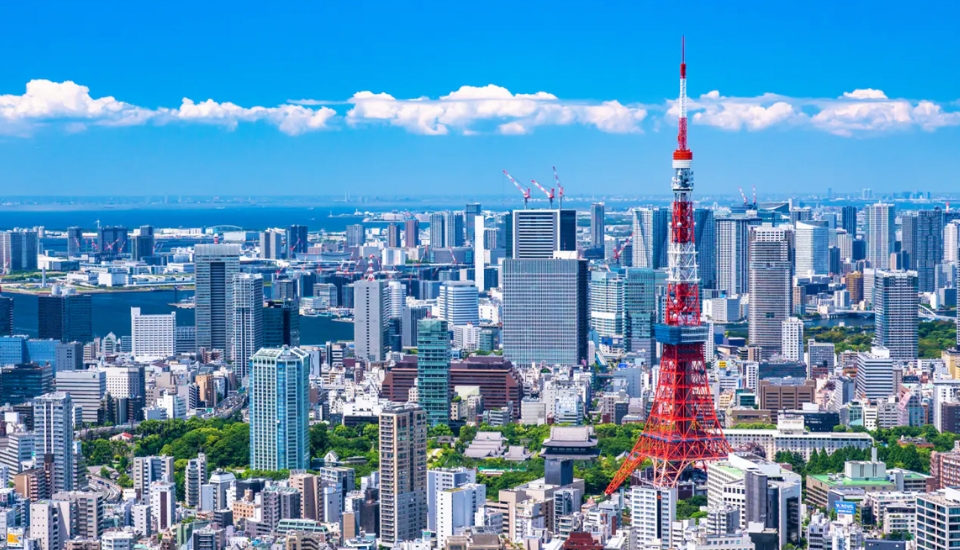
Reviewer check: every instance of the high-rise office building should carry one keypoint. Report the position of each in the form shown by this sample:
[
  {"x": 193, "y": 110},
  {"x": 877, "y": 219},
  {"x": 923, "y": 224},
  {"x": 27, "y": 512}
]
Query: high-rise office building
[
  {"x": 65, "y": 317},
  {"x": 281, "y": 324},
  {"x": 297, "y": 241},
  {"x": 143, "y": 243},
  {"x": 53, "y": 420},
  {"x": 215, "y": 266},
  {"x": 895, "y": 303},
  {"x": 403, "y": 474},
  {"x": 437, "y": 230},
  {"x": 922, "y": 241},
  {"x": 456, "y": 509},
  {"x": 21, "y": 383},
  {"x": 545, "y": 315},
  {"x": 433, "y": 369},
  {"x": 163, "y": 505},
  {"x": 771, "y": 293},
  {"x": 356, "y": 235},
  {"x": 813, "y": 244},
  {"x": 74, "y": 241},
  {"x": 606, "y": 305},
  {"x": 792, "y": 339},
  {"x": 453, "y": 229},
  {"x": 705, "y": 240},
  {"x": 881, "y": 234},
  {"x": 153, "y": 335},
  {"x": 470, "y": 213},
  {"x": 458, "y": 303},
  {"x": 370, "y": 319},
  {"x": 640, "y": 312},
  {"x": 279, "y": 409},
  {"x": 247, "y": 320},
  {"x": 393, "y": 235},
  {"x": 875, "y": 375},
  {"x": 733, "y": 245},
  {"x": 651, "y": 231},
  {"x": 411, "y": 233},
  {"x": 18, "y": 250},
  {"x": 597, "y": 224},
  {"x": 6, "y": 315},
  {"x": 194, "y": 477},
  {"x": 86, "y": 388},
  {"x": 848, "y": 220},
  {"x": 652, "y": 513},
  {"x": 112, "y": 241},
  {"x": 444, "y": 479},
  {"x": 951, "y": 242},
  {"x": 271, "y": 245},
  {"x": 534, "y": 234},
  {"x": 147, "y": 470},
  {"x": 408, "y": 323}
]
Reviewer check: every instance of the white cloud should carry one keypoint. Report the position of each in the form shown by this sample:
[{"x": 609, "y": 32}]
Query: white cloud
[
  {"x": 472, "y": 110},
  {"x": 462, "y": 109}
]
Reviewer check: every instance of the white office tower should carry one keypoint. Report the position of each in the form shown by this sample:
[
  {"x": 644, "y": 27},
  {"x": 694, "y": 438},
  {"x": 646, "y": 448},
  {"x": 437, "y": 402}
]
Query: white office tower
[
  {"x": 174, "y": 405},
  {"x": 651, "y": 230},
  {"x": 45, "y": 525},
  {"x": 370, "y": 319},
  {"x": 881, "y": 234},
  {"x": 459, "y": 303},
  {"x": 606, "y": 304},
  {"x": 118, "y": 540},
  {"x": 895, "y": 302},
  {"x": 951, "y": 242},
  {"x": 53, "y": 421},
  {"x": 195, "y": 476},
  {"x": 279, "y": 409},
  {"x": 732, "y": 245},
  {"x": 652, "y": 513},
  {"x": 442, "y": 479},
  {"x": 247, "y": 321},
  {"x": 479, "y": 252},
  {"x": 153, "y": 335},
  {"x": 140, "y": 517},
  {"x": 875, "y": 375},
  {"x": 398, "y": 298},
  {"x": 86, "y": 388},
  {"x": 147, "y": 470},
  {"x": 214, "y": 266},
  {"x": 792, "y": 339},
  {"x": 124, "y": 382},
  {"x": 457, "y": 508},
  {"x": 163, "y": 505},
  {"x": 938, "y": 519},
  {"x": 771, "y": 287},
  {"x": 813, "y": 248}
]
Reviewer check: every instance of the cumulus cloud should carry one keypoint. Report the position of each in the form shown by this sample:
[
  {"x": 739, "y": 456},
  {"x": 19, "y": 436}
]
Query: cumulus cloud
[{"x": 472, "y": 110}]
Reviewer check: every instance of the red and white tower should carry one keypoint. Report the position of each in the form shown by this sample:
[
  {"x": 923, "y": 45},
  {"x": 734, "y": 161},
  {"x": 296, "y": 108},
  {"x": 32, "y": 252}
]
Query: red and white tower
[{"x": 682, "y": 429}]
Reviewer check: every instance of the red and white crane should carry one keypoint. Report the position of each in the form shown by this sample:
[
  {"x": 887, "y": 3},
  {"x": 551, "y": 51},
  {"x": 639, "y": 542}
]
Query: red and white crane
[
  {"x": 559, "y": 187},
  {"x": 550, "y": 194},
  {"x": 526, "y": 193},
  {"x": 619, "y": 249}
]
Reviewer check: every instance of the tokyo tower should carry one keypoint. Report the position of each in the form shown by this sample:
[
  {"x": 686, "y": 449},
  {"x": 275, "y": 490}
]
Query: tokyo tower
[{"x": 682, "y": 429}]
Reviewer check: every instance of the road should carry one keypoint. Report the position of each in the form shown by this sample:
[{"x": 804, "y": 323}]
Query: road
[{"x": 111, "y": 491}]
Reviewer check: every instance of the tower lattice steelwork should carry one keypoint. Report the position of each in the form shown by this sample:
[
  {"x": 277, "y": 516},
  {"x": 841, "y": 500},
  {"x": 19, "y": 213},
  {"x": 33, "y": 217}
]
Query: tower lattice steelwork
[{"x": 682, "y": 429}]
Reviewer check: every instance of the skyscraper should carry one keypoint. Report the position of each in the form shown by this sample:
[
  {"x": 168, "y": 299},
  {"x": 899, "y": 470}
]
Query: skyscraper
[
  {"x": 281, "y": 324},
  {"x": 733, "y": 268},
  {"x": 539, "y": 233},
  {"x": 147, "y": 470},
  {"x": 143, "y": 243},
  {"x": 153, "y": 335},
  {"x": 297, "y": 240},
  {"x": 651, "y": 231},
  {"x": 922, "y": 240},
  {"x": 470, "y": 213},
  {"x": 18, "y": 250},
  {"x": 65, "y": 317},
  {"x": 545, "y": 316},
  {"x": 452, "y": 229},
  {"x": 848, "y": 220},
  {"x": 771, "y": 293},
  {"x": 112, "y": 241},
  {"x": 433, "y": 369},
  {"x": 813, "y": 244},
  {"x": 792, "y": 339},
  {"x": 895, "y": 303},
  {"x": 393, "y": 235},
  {"x": 403, "y": 474},
  {"x": 370, "y": 319},
  {"x": 881, "y": 234},
  {"x": 356, "y": 235},
  {"x": 640, "y": 311},
  {"x": 705, "y": 239},
  {"x": 53, "y": 418},
  {"x": 74, "y": 241},
  {"x": 6, "y": 316},
  {"x": 411, "y": 233},
  {"x": 437, "y": 230},
  {"x": 597, "y": 224},
  {"x": 247, "y": 320},
  {"x": 606, "y": 304},
  {"x": 279, "y": 409},
  {"x": 458, "y": 303},
  {"x": 214, "y": 266},
  {"x": 271, "y": 245}
]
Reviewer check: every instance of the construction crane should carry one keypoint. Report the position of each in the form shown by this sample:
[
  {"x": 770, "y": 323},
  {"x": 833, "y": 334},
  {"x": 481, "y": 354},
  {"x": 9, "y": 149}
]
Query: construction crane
[
  {"x": 619, "y": 249},
  {"x": 550, "y": 194},
  {"x": 754, "y": 197},
  {"x": 742, "y": 195},
  {"x": 559, "y": 187},
  {"x": 526, "y": 194}
]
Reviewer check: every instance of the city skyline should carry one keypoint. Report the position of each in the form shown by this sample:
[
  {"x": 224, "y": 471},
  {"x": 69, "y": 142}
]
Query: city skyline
[{"x": 291, "y": 111}]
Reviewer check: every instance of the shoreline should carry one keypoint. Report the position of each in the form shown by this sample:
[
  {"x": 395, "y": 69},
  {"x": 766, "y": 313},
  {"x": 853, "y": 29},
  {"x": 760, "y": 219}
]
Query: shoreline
[{"x": 119, "y": 290}]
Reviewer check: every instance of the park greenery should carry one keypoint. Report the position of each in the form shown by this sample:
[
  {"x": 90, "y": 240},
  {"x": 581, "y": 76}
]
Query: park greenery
[{"x": 933, "y": 337}]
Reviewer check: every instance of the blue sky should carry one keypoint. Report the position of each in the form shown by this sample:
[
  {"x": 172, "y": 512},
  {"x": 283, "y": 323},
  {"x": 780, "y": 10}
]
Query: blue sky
[{"x": 124, "y": 127}]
